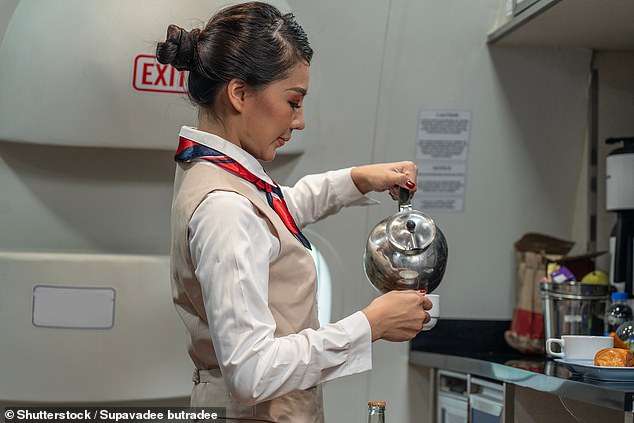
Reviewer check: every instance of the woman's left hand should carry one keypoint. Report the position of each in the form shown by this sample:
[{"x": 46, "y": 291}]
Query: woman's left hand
[{"x": 383, "y": 176}]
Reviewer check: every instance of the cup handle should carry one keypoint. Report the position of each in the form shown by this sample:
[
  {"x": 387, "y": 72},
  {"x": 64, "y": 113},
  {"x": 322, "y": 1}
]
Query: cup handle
[{"x": 559, "y": 342}]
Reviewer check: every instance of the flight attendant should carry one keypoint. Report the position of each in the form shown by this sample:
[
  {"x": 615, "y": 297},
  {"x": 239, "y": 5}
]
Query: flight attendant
[{"x": 244, "y": 282}]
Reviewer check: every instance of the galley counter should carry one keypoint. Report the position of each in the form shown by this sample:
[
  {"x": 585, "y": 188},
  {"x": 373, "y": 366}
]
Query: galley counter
[{"x": 477, "y": 348}]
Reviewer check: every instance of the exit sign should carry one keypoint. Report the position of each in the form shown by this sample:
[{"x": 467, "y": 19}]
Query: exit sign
[{"x": 150, "y": 75}]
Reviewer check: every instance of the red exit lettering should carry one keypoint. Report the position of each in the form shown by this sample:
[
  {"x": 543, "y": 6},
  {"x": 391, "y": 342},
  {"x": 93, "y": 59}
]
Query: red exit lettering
[{"x": 150, "y": 75}]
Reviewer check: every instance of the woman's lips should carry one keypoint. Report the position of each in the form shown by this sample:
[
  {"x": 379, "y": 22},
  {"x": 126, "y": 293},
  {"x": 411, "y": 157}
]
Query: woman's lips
[{"x": 281, "y": 141}]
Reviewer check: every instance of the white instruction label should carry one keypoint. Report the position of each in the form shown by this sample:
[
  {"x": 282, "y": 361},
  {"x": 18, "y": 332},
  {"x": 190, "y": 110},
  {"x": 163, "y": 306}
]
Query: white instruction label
[{"x": 442, "y": 151}]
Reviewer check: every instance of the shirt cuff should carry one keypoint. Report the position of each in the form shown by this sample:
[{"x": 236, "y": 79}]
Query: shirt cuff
[
  {"x": 360, "y": 353},
  {"x": 346, "y": 189}
]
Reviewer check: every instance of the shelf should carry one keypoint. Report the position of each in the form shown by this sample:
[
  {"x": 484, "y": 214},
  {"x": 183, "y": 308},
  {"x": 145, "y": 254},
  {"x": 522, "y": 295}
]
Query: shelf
[{"x": 591, "y": 24}]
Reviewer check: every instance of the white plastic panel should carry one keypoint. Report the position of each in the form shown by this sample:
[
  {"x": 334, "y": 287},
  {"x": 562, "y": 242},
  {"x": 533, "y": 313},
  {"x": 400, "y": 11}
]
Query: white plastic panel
[
  {"x": 69, "y": 307},
  {"x": 81, "y": 73}
]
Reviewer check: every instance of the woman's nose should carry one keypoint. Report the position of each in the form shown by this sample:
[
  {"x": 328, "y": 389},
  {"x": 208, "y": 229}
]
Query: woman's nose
[{"x": 298, "y": 120}]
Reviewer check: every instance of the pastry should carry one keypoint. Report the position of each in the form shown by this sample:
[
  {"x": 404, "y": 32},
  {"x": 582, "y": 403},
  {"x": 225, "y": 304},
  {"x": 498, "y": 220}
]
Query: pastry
[{"x": 614, "y": 357}]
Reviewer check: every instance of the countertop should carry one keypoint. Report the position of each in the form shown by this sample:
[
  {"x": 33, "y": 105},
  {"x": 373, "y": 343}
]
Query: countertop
[{"x": 488, "y": 356}]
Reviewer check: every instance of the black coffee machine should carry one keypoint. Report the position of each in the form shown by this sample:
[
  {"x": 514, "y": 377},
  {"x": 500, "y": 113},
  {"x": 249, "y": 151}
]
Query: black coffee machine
[{"x": 620, "y": 199}]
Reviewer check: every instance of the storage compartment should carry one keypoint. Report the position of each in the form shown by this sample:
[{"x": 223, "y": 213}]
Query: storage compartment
[
  {"x": 486, "y": 401},
  {"x": 452, "y": 397}
]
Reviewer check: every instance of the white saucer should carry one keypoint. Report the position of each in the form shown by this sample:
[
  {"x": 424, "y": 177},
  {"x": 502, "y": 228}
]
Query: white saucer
[{"x": 588, "y": 369}]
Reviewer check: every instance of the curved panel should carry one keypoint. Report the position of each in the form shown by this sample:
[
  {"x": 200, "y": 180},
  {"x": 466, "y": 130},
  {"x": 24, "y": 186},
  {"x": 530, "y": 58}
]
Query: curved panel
[
  {"x": 142, "y": 355},
  {"x": 83, "y": 73}
]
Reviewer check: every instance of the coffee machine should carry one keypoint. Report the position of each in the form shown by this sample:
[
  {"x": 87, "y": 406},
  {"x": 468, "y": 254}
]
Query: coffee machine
[{"x": 620, "y": 200}]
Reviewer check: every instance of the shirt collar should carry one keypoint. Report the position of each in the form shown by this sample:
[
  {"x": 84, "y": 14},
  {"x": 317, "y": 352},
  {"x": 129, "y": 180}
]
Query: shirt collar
[{"x": 218, "y": 143}]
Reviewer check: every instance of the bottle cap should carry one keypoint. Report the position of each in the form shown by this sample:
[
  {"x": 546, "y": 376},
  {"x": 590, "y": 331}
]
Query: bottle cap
[
  {"x": 619, "y": 295},
  {"x": 380, "y": 403}
]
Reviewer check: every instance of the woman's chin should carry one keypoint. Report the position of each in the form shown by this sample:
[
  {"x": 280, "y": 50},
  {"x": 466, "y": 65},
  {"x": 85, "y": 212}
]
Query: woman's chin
[{"x": 268, "y": 156}]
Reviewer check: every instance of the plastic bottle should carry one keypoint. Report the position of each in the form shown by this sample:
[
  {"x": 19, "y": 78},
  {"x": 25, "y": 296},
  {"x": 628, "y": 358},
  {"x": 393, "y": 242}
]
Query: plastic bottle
[
  {"x": 617, "y": 313},
  {"x": 376, "y": 412},
  {"x": 625, "y": 332}
]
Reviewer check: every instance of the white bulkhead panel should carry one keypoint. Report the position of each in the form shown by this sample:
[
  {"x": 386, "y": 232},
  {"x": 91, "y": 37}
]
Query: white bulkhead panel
[{"x": 130, "y": 347}]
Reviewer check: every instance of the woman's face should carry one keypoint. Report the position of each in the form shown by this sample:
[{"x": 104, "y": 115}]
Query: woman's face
[{"x": 270, "y": 115}]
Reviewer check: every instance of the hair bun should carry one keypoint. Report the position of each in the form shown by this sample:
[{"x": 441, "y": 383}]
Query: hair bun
[{"x": 179, "y": 47}]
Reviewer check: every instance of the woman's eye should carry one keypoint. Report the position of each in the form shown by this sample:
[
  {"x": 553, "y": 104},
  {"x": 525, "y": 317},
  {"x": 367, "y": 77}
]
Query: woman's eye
[{"x": 294, "y": 105}]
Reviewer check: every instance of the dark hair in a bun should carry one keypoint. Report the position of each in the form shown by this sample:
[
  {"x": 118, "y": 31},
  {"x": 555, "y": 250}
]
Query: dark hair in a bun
[
  {"x": 179, "y": 47},
  {"x": 253, "y": 42}
]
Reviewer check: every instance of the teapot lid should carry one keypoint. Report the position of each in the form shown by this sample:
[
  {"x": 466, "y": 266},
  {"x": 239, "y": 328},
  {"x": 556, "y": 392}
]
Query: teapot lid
[{"x": 410, "y": 231}]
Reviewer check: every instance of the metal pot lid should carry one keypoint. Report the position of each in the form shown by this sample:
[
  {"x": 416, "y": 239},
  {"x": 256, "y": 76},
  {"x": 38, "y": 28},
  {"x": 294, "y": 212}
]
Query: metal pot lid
[
  {"x": 410, "y": 231},
  {"x": 576, "y": 289}
]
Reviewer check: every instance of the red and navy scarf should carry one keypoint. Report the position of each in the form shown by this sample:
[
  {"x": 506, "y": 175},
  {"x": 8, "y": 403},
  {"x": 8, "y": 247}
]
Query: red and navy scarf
[{"x": 189, "y": 150}]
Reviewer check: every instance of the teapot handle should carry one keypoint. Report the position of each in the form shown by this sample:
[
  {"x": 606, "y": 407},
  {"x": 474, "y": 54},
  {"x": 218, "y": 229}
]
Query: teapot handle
[{"x": 404, "y": 202}]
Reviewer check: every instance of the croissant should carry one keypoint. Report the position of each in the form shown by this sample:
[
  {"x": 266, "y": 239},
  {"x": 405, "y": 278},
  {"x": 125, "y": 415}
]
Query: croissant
[{"x": 614, "y": 357}]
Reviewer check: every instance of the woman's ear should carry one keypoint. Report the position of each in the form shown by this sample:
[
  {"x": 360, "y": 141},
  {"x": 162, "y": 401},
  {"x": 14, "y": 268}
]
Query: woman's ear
[{"x": 237, "y": 94}]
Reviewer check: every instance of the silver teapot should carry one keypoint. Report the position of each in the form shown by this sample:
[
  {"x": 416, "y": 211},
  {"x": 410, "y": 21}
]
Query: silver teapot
[{"x": 405, "y": 251}]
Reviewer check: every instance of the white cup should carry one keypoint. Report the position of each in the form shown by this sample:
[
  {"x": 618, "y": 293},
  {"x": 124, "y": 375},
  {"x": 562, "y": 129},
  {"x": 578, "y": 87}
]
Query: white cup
[
  {"x": 434, "y": 312},
  {"x": 578, "y": 347}
]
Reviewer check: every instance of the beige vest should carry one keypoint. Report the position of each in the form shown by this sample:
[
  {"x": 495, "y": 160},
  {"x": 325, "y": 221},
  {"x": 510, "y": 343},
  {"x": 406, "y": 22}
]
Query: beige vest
[{"x": 292, "y": 297}]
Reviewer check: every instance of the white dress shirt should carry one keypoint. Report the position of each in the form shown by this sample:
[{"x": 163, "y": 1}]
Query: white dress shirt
[{"x": 231, "y": 248}]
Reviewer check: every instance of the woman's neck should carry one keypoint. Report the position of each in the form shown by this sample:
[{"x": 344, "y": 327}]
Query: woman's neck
[{"x": 214, "y": 126}]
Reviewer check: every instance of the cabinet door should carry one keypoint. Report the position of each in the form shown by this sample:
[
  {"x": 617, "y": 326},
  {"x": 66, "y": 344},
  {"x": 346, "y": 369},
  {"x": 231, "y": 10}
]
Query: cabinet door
[{"x": 452, "y": 410}]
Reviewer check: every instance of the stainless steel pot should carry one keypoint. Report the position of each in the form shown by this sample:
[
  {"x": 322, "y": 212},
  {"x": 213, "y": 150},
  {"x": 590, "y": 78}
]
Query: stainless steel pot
[
  {"x": 405, "y": 251},
  {"x": 573, "y": 308}
]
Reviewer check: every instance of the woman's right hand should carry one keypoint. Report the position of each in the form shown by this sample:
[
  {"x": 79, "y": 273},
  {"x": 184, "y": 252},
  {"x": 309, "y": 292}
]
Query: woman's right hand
[{"x": 398, "y": 315}]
